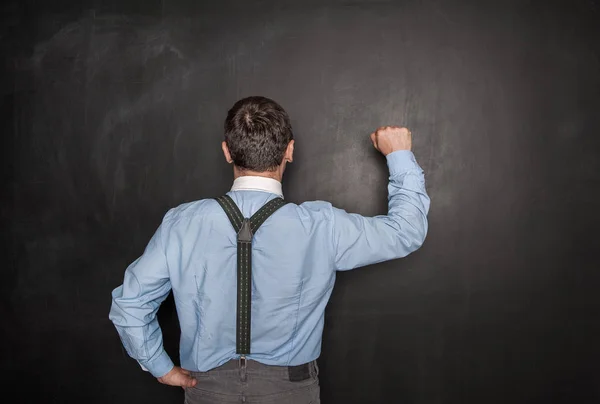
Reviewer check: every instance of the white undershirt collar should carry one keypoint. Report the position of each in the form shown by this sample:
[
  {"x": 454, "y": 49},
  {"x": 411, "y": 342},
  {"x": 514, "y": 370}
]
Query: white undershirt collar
[{"x": 255, "y": 183}]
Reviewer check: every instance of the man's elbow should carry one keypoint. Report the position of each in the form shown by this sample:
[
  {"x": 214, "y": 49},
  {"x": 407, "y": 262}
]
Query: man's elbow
[
  {"x": 417, "y": 235},
  {"x": 420, "y": 240},
  {"x": 422, "y": 232}
]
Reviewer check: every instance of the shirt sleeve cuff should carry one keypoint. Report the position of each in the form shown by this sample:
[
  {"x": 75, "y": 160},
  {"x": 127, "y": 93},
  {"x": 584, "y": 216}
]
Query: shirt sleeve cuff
[
  {"x": 159, "y": 366},
  {"x": 402, "y": 161}
]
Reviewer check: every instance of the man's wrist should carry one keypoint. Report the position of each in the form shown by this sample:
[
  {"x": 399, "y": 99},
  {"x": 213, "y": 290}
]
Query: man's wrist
[
  {"x": 401, "y": 161},
  {"x": 159, "y": 365}
]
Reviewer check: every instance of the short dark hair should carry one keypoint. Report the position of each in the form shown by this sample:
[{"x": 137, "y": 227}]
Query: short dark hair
[{"x": 257, "y": 133}]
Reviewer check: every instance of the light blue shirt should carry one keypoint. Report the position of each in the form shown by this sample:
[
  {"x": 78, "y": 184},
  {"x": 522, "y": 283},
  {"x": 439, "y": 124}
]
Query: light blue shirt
[{"x": 295, "y": 256}]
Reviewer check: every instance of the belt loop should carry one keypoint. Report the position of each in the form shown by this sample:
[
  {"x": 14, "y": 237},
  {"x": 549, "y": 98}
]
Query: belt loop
[{"x": 243, "y": 366}]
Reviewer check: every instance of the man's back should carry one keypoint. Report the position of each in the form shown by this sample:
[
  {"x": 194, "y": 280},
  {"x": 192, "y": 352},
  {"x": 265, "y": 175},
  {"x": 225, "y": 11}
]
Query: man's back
[
  {"x": 294, "y": 258},
  {"x": 292, "y": 278}
]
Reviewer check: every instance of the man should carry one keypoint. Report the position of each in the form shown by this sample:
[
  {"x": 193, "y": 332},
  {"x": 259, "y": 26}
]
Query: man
[{"x": 251, "y": 300}]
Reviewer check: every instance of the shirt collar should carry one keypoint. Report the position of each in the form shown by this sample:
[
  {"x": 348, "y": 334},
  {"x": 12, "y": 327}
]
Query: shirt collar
[{"x": 255, "y": 183}]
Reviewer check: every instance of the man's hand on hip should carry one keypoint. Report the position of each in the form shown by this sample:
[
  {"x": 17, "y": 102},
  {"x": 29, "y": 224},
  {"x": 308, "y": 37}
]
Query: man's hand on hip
[
  {"x": 388, "y": 139},
  {"x": 178, "y": 377}
]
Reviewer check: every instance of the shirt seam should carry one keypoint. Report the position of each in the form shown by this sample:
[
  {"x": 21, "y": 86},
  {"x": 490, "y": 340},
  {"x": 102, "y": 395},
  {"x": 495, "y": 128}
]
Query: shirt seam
[
  {"x": 146, "y": 353},
  {"x": 294, "y": 333},
  {"x": 163, "y": 250},
  {"x": 334, "y": 255}
]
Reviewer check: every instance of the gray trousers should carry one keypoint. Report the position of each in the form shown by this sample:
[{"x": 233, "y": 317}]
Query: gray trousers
[{"x": 253, "y": 382}]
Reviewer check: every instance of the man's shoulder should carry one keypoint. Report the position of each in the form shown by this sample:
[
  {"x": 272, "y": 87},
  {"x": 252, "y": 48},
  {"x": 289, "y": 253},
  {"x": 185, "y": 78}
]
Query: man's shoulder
[
  {"x": 315, "y": 206},
  {"x": 314, "y": 209},
  {"x": 191, "y": 209}
]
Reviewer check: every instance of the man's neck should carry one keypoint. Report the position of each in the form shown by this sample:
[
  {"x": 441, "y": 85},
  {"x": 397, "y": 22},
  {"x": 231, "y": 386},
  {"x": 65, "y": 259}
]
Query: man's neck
[{"x": 275, "y": 175}]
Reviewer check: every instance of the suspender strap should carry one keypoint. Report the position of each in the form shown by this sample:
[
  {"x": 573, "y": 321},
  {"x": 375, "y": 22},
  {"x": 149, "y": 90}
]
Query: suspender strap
[
  {"x": 263, "y": 213},
  {"x": 245, "y": 229},
  {"x": 233, "y": 212}
]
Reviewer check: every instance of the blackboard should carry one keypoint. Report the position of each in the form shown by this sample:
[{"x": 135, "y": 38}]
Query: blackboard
[{"x": 113, "y": 113}]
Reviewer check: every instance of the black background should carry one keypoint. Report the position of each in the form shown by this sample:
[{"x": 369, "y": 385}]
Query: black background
[{"x": 112, "y": 113}]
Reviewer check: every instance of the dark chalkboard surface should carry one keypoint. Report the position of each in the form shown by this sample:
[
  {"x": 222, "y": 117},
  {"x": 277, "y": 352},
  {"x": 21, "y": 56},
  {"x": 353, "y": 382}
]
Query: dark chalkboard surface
[{"x": 113, "y": 114}]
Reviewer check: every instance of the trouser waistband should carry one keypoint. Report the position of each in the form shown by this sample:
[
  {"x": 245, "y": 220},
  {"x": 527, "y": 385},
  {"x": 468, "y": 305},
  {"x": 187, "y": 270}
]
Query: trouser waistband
[{"x": 247, "y": 366}]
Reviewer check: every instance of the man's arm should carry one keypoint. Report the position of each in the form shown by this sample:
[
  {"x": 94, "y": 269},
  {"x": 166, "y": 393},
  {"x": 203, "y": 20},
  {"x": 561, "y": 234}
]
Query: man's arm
[
  {"x": 135, "y": 303},
  {"x": 359, "y": 240}
]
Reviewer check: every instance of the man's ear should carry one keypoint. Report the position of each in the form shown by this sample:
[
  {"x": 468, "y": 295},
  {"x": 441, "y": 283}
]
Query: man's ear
[
  {"x": 226, "y": 153},
  {"x": 289, "y": 152}
]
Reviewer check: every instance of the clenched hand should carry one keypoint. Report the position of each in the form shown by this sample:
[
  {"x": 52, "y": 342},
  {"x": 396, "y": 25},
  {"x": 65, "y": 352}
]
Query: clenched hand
[{"x": 388, "y": 139}]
